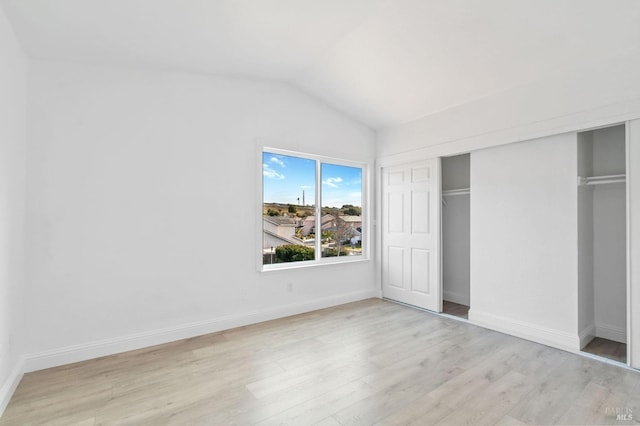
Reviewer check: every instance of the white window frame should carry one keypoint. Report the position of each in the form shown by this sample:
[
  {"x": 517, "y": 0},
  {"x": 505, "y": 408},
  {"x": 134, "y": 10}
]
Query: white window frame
[{"x": 319, "y": 260}]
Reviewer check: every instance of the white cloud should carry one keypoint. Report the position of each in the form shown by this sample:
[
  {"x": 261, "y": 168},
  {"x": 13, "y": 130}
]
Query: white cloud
[
  {"x": 332, "y": 182},
  {"x": 270, "y": 173},
  {"x": 278, "y": 161}
]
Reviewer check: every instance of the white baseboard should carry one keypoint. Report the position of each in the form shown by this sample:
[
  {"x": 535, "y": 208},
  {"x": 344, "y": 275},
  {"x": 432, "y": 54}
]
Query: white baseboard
[
  {"x": 587, "y": 334},
  {"x": 455, "y": 297},
  {"x": 610, "y": 332},
  {"x": 10, "y": 384},
  {"x": 536, "y": 333},
  {"x": 90, "y": 350}
]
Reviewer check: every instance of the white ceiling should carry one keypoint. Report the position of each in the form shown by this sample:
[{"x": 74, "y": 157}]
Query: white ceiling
[{"x": 384, "y": 62}]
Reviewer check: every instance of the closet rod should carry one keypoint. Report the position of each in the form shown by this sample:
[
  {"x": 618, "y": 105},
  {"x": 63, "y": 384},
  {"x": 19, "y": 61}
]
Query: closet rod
[
  {"x": 463, "y": 191},
  {"x": 601, "y": 180}
]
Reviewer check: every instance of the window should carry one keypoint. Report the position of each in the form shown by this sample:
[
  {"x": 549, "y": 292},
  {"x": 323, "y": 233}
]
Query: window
[{"x": 312, "y": 210}]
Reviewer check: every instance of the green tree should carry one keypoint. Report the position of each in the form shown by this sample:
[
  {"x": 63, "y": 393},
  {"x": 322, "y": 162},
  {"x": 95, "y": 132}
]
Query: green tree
[
  {"x": 333, "y": 252},
  {"x": 326, "y": 235},
  {"x": 350, "y": 210},
  {"x": 293, "y": 209},
  {"x": 294, "y": 253}
]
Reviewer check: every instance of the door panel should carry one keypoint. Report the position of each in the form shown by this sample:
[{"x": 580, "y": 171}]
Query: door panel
[
  {"x": 395, "y": 266},
  {"x": 420, "y": 267},
  {"x": 411, "y": 234},
  {"x": 420, "y": 212},
  {"x": 395, "y": 215}
]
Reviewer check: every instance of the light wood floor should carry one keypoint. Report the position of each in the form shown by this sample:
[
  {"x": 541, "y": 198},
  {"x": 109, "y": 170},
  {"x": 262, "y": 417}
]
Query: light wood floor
[
  {"x": 371, "y": 362},
  {"x": 607, "y": 348},
  {"x": 455, "y": 309}
]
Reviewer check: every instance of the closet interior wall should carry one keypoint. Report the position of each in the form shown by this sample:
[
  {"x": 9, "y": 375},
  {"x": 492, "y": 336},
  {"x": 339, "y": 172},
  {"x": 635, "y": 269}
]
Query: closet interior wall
[
  {"x": 456, "y": 229},
  {"x": 602, "y": 234}
]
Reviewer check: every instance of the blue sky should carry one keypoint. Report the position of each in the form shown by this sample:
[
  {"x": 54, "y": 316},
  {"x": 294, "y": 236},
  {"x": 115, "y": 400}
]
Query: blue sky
[{"x": 285, "y": 177}]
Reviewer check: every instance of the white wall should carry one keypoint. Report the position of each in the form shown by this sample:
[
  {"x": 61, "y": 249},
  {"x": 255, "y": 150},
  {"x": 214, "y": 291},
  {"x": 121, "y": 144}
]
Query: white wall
[
  {"x": 609, "y": 151},
  {"x": 609, "y": 261},
  {"x": 586, "y": 290},
  {"x": 577, "y": 99},
  {"x": 524, "y": 238},
  {"x": 633, "y": 228},
  {"x": 586, "y": 302},
  {"x": 602, "y": 236},
  {"x": 143, "y": 205},
  {"x": 455, "y": 230},
  {"x": 609, "y": 236},
  {"x": 12, "y": 199}
]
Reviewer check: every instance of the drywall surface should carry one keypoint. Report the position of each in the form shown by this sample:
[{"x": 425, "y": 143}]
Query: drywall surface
[
  {"x": 455, "y": 172},
  {"x": 143, "y": 202},
  {"x": 602, "y": 236},
  {"x": 608, "y": 151},
  {"x": 12, "y": 199},
  {"x": 455, "y": 230},
  {"x": 609, "y": 261},
  {"x": 524, "y": 237},
  {"x": 456, "y": 221},
  {"x": 586, "y": 307},
  {"x": 607, "y": 154},
  {"x": 586, "y": 293},
  {"x": 633, "y": 221},
  {"x": 605, "y": 92}
]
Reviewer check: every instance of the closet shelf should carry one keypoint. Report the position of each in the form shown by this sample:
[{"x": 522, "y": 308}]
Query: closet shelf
[
  {"x": 601, "y": 180},
  {"x": 462, "y": 191}
]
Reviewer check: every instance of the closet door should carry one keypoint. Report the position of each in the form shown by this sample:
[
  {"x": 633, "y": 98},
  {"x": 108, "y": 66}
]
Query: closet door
[{"x": 411, "y": 234}]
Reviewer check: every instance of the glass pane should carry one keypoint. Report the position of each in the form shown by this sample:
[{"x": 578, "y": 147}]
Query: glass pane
[
  {"x": 288, "y": 203},
  {"x": 341, "y": 210}
]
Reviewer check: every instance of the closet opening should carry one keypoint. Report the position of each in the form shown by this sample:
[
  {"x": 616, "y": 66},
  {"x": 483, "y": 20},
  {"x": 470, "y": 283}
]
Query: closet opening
[
  {"x": 602, "y": 233},
  {"x": 456, "y": 219}
]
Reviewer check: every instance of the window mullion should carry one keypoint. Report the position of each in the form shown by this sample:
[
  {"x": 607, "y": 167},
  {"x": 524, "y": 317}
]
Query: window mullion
[{"x": 318, "y": 253}]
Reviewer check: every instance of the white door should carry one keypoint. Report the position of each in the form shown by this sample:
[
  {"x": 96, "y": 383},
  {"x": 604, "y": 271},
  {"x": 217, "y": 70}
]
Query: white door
[{"x": 411, "y": 234}]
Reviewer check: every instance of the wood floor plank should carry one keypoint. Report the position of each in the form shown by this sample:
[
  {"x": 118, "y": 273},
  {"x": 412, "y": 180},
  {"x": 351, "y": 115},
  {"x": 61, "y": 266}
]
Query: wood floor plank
[
  {"x": 369, "y": 362},
  {"x": 555, "y": 391},
  {"x": 587, "y": 407},
  {"x": 315, "y": 410},
  {"x": 607, "y": 348},
  {"x": 504, "y": 393},
  {"x": 455, "y": 309},
  {"x": 328, "y": 421},
  {"x": 424, "y": 410},
  {"x": 286, "y": 398},
  {"x": 509, "y": 421}
]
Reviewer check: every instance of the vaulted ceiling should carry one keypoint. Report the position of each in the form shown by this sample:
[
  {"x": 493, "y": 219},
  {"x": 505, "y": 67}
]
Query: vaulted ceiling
[{"x": 383, "y": 62}]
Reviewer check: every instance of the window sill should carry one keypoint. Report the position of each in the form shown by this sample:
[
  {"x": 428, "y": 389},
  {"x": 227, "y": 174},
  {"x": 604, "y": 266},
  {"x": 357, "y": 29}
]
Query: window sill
[{"x": 310, "y": 264}]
